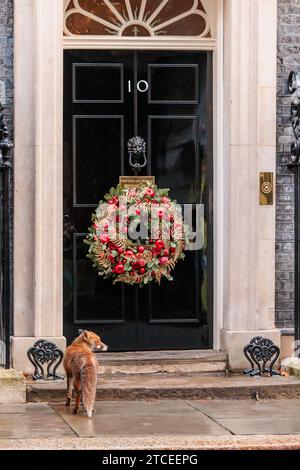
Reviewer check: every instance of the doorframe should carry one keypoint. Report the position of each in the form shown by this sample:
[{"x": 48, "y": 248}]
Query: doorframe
[
  {"x": 244, "y": 231},
  {"x": 187, "y": 43},
  {"x": 39, "y": 46}
]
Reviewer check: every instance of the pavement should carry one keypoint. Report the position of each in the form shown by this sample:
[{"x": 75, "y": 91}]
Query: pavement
[{"x": 159, "y": 424}]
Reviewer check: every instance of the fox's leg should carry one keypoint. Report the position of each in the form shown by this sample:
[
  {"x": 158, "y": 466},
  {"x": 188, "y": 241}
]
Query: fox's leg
[
  {"x": 78, "y": 395},
  {"x": 77, "y": 402},
  {"x": 69, "y": 390}
]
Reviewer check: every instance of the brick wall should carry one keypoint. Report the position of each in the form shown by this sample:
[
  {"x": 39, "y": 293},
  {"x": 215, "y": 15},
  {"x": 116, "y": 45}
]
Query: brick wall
[
  {"x": 288, "y": 59},
  {"x": 6, "y": 58}
]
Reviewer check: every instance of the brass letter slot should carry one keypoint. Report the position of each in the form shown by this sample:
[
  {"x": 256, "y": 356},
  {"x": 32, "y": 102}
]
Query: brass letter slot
[{"x": 266, "y": 186}]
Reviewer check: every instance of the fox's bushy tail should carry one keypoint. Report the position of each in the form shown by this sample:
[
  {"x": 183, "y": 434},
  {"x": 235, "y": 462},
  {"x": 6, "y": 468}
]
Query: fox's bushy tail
[{"x": 88, "y": 387}]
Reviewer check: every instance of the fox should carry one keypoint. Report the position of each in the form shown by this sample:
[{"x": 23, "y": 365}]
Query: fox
[{"x": 81, "y": 366}]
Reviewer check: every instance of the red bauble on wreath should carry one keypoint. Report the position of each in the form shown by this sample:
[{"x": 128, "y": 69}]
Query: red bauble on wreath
[{"x": 137, "y": 235}]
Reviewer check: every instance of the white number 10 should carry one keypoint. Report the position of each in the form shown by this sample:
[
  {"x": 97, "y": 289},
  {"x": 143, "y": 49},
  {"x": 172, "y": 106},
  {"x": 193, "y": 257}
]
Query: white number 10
[{"x": 142, "y": 86}]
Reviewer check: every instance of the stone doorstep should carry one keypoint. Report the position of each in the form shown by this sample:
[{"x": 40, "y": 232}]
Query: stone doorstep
[
  {"x": 12, "y": 386},
  {"x": 184, "y": 443},
  {"x": 168, "y": 386},
  {"x": 149, "y": 362}
]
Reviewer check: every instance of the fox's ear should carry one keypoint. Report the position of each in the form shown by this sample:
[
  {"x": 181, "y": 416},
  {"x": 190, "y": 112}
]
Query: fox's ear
[{"x": 85, "y": 334}]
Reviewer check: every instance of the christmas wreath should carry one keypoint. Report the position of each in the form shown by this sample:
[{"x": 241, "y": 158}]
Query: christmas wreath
[{"x": 137, "y": 235}]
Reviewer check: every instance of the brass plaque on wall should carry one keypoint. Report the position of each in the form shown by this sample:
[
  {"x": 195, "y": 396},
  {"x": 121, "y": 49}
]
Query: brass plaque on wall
[
  {"x": 266, "y": 185},
  {"x": 128, "y": 182}
]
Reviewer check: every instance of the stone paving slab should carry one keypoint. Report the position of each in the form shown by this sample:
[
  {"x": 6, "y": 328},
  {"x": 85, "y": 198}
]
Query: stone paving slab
[
  {"x": 136, "y": 408},
  {"x": 26, "y": 409},
  {"x": 34, "y": 420},
  {"x": 141, "y": 419},
  {"x": 265, "y": 426},
  {"x": 254, "y": 417},
  {"x": 277, "y": 409}
]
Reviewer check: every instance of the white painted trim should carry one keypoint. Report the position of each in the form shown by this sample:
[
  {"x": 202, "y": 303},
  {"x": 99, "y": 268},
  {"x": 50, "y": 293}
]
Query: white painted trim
[
  {"x": 48, "y": 68},
  {"x": 113, "y": 42},
  {"x": 38, "y": 72},
  {"x": 218, "y": 176},
  {"x": 250, "y": 29}
]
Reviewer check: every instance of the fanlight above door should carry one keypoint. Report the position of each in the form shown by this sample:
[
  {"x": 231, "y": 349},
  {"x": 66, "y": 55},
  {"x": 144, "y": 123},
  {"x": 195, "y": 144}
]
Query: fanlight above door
[{"x": 136, "y": 18}]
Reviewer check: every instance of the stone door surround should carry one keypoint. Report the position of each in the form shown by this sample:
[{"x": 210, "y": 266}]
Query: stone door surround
[{"x": 244, "y": 141}]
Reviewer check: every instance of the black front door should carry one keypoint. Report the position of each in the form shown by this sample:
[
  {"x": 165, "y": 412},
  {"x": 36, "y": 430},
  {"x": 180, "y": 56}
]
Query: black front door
[{"x": 164, "y": 97}]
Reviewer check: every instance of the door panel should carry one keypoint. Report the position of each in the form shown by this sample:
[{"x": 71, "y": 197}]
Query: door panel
[
  {"x": 98, "y": 83},
  {"x": 173, "y": 83},
  {"x": 106, "y": 102},
  {"x": 173, "y": 146},
  {"x": 98, "y": 140}
]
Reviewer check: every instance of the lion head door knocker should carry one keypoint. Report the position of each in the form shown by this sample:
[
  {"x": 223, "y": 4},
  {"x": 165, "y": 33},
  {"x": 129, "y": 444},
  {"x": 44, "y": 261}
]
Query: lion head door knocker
[{"x": 137, "y": 154}]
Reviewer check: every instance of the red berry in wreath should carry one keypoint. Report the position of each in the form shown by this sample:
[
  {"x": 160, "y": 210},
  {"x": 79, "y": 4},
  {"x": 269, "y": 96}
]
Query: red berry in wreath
[
  {"x": 166, "y": 252},
  {"x": 142, "y": 263},
  {"x": 120, "y": 268},
  {"x": 112, "y": 201},
  {"x": 141, "y": 249},
  {"x": 159, "y": 244},
  {"x": 120, "y": 251},
  {"x": 129, "y": 253},
  {"x": 150, "y": 192},
  {"x": 142, "y": 271},
  {"x": 163, "y": 260},
  {"x": 104, "y": 238}
]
